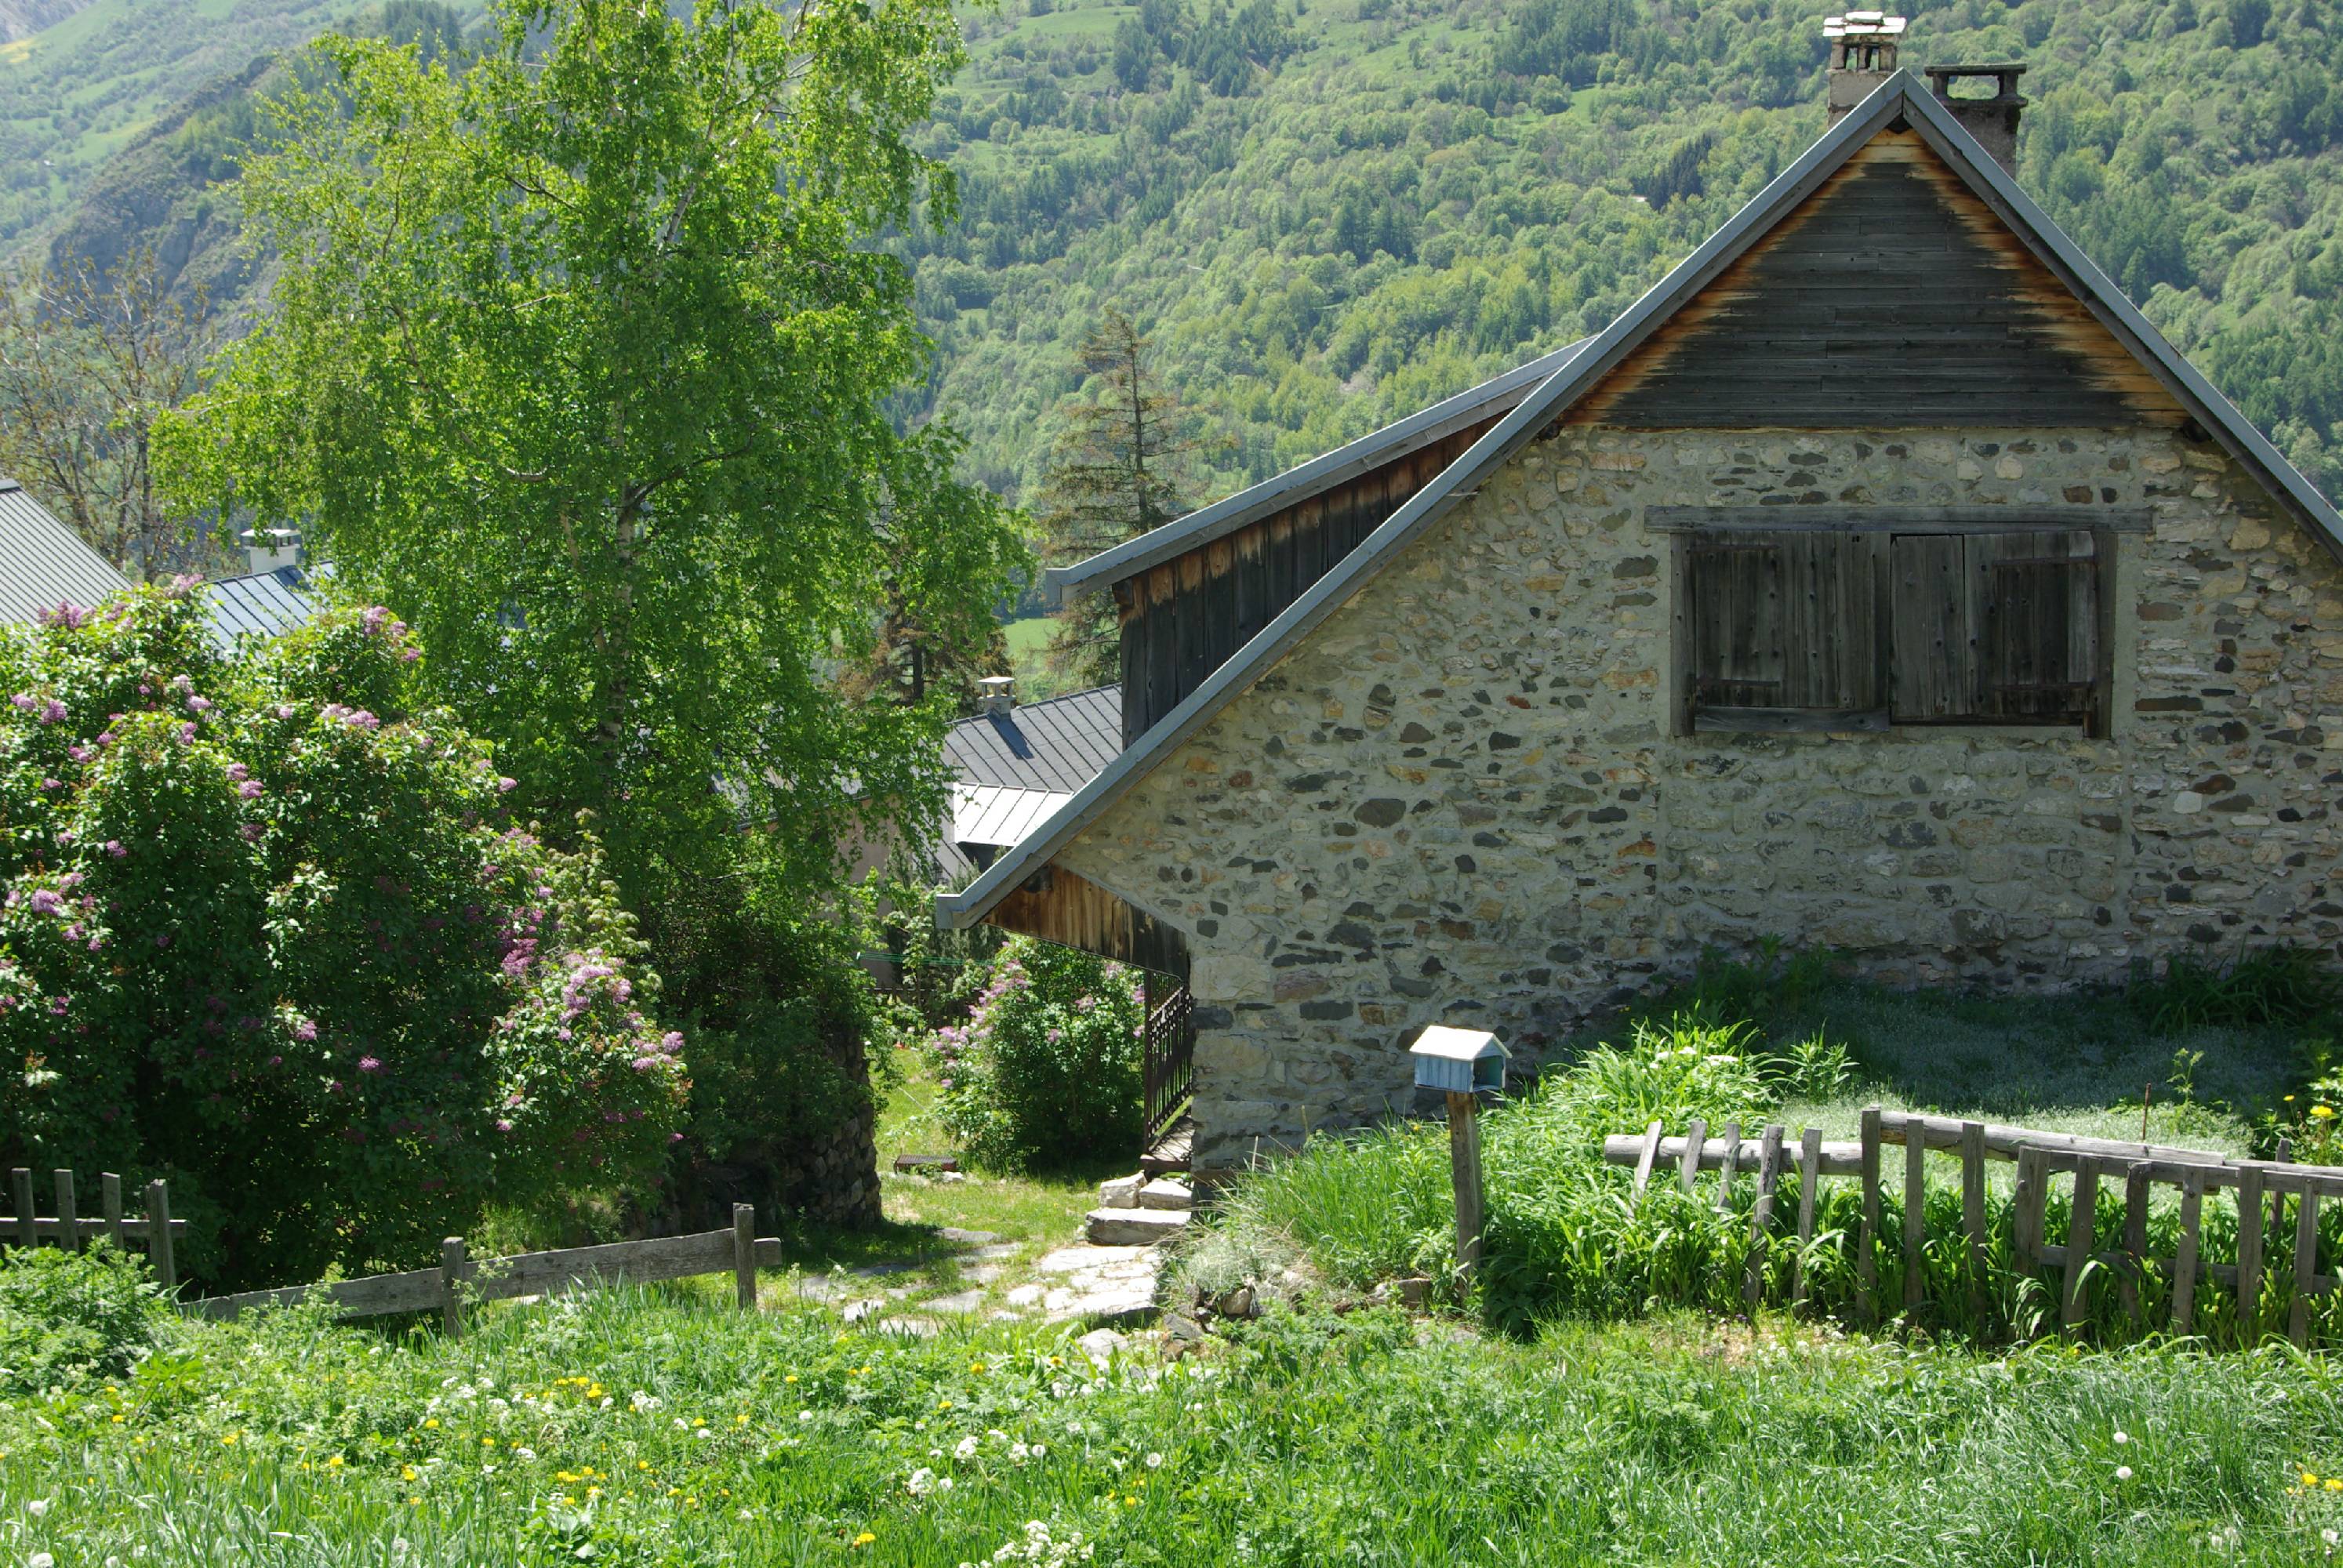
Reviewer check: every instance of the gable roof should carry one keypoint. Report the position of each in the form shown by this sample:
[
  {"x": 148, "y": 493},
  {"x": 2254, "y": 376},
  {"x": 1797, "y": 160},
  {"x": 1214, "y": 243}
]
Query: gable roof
[
  {"x": 1058, "y": 744},
  {"x": 1466, "y": 408},
  {"x": 257, "y": 604},
  {"x": 44, "y": 562},
  {"x": 1901, "y": 98}
]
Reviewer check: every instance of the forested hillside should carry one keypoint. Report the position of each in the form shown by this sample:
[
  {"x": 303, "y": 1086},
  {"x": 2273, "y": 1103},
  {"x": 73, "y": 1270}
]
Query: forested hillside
[{"x": 1328, "y": 213}]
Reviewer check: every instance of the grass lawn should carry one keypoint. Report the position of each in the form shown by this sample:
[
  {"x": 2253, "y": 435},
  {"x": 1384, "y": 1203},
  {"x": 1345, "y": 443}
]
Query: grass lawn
[{"x": 661, "y": 1427}]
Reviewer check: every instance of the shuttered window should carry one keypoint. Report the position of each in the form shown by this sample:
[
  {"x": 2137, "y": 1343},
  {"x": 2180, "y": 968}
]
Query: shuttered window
[{"x": 1865, "y": 628}]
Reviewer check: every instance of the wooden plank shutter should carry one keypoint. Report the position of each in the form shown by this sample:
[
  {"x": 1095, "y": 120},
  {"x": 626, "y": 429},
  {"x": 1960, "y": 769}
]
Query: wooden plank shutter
[
  {"x": 1788, "y": 629},
  {"x": 1935, "y": 636},
  {"x": 2036, "y": 606}
]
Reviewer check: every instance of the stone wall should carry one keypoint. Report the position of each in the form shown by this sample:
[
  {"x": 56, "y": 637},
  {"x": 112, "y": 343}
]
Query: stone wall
[{"x": 1459, "y": 799}]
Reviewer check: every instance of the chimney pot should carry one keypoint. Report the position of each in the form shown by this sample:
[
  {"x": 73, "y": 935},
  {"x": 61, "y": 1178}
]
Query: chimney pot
[
  {"x": 1862, "y": 55},
  {"x": 997, "y": 693},
  {"x": 268, "y": 549},
  {"x": 1992, "y": 121}
]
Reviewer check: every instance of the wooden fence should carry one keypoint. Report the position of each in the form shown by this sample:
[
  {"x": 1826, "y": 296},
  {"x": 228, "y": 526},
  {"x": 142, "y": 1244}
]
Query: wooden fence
[
  {"x": 460, "y": 1278},
  {"x": 2039, "y": 1157},
  {"x": 154, "y": 1229}
]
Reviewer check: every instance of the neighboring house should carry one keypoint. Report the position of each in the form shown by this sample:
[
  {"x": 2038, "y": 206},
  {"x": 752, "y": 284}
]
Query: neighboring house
[
  {"x": 1014, "y": 765},
  {"x": 44, "y": 563},
  {"x": 1881, "y": 580}
]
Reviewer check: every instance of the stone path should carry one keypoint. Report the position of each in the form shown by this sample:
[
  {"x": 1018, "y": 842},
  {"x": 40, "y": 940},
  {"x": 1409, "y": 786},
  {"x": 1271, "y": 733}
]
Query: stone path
[{"x": 1080, "y": 1281}]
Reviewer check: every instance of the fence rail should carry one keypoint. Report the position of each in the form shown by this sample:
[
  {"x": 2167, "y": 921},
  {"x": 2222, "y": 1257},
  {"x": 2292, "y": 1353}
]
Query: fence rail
[
  {"x": 2260, "y": 1185},
  {"x": 461, "y": 1279},
  {"x": 154, "y": 1229}
]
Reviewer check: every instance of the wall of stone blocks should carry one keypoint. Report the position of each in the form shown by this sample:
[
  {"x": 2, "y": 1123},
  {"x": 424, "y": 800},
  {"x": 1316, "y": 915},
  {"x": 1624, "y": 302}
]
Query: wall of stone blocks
[{"x": 1459, "y": 800}]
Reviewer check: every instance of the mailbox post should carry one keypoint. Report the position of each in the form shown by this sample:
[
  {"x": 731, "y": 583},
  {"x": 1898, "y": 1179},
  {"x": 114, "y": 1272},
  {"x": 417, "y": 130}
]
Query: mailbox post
[{"x": 1461, "y": 1062}]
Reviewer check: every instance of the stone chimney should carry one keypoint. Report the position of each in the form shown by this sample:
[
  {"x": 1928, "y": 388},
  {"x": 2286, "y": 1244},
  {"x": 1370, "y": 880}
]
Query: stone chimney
[
  {"x": 266, "y": 549},
  {"x": 996, "y": 694},
  {"x": 1992, "y": 121},
  {"x": 1861, "y": 57}
]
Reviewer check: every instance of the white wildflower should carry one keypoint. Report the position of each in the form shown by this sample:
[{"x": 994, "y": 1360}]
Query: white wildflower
[
  {"x": 642, "y": 1402},
  {"x": 40, "y": 1560},
  {"x": 2123, "y": 1473},
  {"x": 2122, "y": 1438},
  {"x": 965, "y": 1448},
  {"x": 1154, "y": 1461},
  {"x": 922, "y": 1482},
  {"x": 805, "y": 1415},
  {"x": 38, "y": 1506}
]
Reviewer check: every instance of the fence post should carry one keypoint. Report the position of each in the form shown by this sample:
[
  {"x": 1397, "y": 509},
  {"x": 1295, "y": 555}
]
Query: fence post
[
  {"x": 1916, "y": 1211},
  {"x": 1867, "y": 1267},
  {"x": 1810, "y": 1174},
  {"x": 2134, "y": 1239},
  {"x": 1973, "y": 1210},
  {"x": 1761, "y": 1213},
  {"x": 1729, "y": 1167},
  {"x": 1464, "y": 1171},
  {"x": 451, "y": 1284},
  {"x": 2249, "y": 1255},
  {"x": 2183, "y": 1261},
  {"x": 68, "y": 1212},
  {"x": 744, "y": 1255},
  {"x": 28, "y": 1234},
  {"x": 2082, "y": 1221},
  {"x": 2306, "y": 1264},
  {"x": 158, "y": 1234},
  {"x": 109, "y": 1197}
]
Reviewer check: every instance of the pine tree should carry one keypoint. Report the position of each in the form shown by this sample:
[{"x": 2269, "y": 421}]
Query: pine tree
[{"x": 1120, "y": 469}]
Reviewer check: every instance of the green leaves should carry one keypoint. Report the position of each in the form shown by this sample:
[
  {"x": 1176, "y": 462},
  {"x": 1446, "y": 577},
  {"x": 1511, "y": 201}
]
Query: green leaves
[{"x": 579, "y": 359}]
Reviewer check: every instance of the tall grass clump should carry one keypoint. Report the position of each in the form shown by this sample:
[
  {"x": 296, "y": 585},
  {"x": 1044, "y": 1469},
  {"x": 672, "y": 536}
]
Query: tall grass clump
[{"x": 1563, "y": 1231}]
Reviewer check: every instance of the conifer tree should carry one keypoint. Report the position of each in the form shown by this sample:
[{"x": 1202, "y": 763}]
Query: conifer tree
[{"x": 1119, "y": 467}]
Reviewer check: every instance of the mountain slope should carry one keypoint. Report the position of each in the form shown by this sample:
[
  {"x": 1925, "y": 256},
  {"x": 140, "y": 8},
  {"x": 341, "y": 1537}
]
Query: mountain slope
[{"x": 1403, "y": 197}]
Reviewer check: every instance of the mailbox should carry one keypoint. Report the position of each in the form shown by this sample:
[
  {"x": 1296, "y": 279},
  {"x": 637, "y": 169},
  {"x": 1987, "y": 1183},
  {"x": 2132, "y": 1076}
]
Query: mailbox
[{"x": 1460, "y": 1061}]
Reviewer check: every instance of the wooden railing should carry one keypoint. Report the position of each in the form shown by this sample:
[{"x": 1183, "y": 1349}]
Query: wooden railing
[
  {"x": 1169, "y": 1071},
  {"x": 461, "y": 1279},
  {"x": 154, "y": 1229},
  {"x": 2040, "y": 1156}
]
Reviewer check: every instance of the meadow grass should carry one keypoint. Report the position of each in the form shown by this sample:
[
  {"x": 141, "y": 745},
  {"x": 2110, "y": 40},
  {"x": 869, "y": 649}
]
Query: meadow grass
[{"x": 642, "y": 1427}]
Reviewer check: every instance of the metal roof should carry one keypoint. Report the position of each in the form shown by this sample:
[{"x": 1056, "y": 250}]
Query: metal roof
[
  {"x": 998, "y": 816},
  {"x": 1058, "y": 744},
  {"x": 1901, "y": 96},
  {"x": 44, "y": 563},
  {"x": 259, "y": 604},
  {"x": 1321, "y": 473}
]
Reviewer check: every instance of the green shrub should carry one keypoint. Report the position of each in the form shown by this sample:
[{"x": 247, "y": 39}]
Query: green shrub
[
  {"x": 1047, "y": 1069},
  {"x": 268, "y": 933},
  {"x": 67, "y": 1317},
  {"x": 2284, "y": 985}
]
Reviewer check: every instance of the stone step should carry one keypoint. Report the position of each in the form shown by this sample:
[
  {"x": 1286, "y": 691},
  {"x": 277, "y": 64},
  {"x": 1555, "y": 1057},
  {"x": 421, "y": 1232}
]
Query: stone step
[
  {"x": 1135, "y": 1226},
  {"x": 1162, "y": 1193}
]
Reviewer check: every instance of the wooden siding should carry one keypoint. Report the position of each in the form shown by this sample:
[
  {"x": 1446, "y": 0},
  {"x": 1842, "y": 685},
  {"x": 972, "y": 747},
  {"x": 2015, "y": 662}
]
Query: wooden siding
[
  {"x": 1893, "y": 298},
  {"x": 1058, "y": 906},
  {"x": 1181, "y": 621}
]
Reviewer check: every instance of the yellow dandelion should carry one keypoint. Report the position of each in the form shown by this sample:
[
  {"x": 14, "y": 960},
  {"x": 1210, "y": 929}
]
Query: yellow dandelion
[
  {"x": 2332, "y": 1483},
  {"x": 865, "y": 1539},
  {"x": 642, "y": 1465},
  {"x": 335, "y": 1463},
  {"x": 431, "y": 1421},
  {"x": 2322, "y": 1111},
  {"x": 2308, "y": 1479},
  {"x": 406, "y": 1473},
  {"x": 790, "y": 1378}
]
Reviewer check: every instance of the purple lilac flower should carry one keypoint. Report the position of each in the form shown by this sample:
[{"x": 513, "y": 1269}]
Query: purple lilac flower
[
  {"x": 51, "y": 710},
  {"x": 369, "y": 1064},
  {"x": 114, "y": 848},
  {"x": 249, "y": 790}
]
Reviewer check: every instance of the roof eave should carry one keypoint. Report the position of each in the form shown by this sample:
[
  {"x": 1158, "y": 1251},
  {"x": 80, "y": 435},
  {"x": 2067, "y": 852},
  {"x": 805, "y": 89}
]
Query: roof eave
[{"x": 1249, "y": 506}]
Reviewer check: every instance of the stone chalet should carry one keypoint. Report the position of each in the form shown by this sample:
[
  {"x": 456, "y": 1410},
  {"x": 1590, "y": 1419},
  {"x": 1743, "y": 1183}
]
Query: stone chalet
[{"x": 1880, "y": 581}]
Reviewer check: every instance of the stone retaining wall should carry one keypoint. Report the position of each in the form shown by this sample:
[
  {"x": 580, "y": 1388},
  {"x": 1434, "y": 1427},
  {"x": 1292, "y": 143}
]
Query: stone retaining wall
[{"x": 1459, "y": 800}]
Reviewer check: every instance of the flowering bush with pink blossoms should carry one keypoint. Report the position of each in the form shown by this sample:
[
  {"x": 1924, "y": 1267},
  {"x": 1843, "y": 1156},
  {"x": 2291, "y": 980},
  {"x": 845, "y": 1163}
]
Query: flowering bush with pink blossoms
[
  {"x": 1046, "y": 1070},
  {"x": 268, "y": 932}
]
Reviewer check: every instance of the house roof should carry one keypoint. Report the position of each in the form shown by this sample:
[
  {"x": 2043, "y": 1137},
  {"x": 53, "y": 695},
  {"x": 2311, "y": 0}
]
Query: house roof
[
  {"x": 1056, "y": 744},
  {"x": 996, "y": 815},
  {"x": 258, "y": 604},
  {"x": 1903, "y": 96},
  {"x": 44, "y": 562},
  {"x": 1223, "y": 517}
]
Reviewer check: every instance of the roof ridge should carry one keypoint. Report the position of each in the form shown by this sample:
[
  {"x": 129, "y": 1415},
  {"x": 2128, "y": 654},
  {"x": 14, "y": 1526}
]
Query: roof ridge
[{"x": 1900, "y": 98}]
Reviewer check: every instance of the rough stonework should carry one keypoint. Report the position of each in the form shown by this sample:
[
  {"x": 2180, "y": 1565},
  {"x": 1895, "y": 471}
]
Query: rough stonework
[{"x": 1459, "y": 799}]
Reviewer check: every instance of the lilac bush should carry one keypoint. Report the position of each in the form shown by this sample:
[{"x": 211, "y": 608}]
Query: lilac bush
[
  {"x": 268, "y": 932},
  {"x": 1046, "y": 1070}
]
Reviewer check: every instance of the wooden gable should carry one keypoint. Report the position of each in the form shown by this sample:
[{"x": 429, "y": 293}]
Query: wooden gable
[{"x": 1892, "y": 298}]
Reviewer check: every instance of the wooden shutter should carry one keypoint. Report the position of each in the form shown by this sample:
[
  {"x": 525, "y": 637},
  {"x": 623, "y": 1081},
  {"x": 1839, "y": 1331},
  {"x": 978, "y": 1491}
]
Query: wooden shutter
[
  {"x": 1935, "y": 636},
  {"x": 1787, "y": 629},
  {"x": 2037, "y": 618}
]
